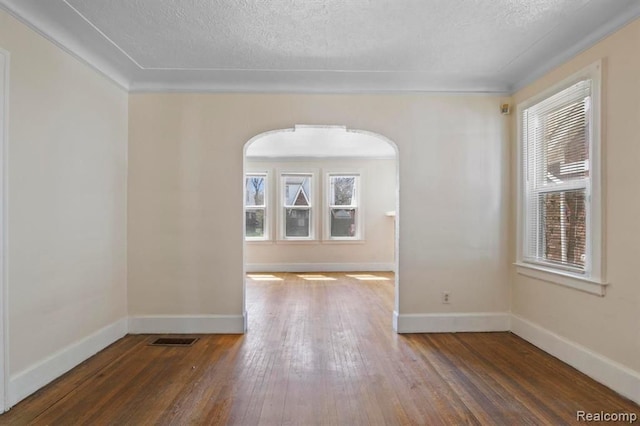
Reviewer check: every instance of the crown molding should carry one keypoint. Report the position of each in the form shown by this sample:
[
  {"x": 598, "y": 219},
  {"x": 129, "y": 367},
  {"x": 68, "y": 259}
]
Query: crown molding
[
  {"x": 309, "y": 81},
  {"x": 585, "y": 43},
  {"x": 36, "y": 18}
]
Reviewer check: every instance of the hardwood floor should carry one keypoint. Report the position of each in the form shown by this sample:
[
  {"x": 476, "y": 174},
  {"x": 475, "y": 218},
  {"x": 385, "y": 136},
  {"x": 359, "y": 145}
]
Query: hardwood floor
[{"x": 320, "y": 352}]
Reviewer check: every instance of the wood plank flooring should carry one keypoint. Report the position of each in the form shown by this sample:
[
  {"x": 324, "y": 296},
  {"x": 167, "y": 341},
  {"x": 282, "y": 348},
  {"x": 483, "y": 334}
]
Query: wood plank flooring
[{"x": 320, "y": 352}]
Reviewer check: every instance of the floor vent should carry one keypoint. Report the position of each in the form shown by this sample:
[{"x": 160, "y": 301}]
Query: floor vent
[{"x": 174, "y": 341}]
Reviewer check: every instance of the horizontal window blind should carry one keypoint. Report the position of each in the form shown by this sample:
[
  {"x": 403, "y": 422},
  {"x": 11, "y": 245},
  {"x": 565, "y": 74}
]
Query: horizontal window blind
[{"x": 556, "y": 136}]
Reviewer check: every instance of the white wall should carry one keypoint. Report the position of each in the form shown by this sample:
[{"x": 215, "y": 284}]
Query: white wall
[
  {"x": 610, "y": 325},
  {"x": 378, "y": 196},
  {"x": 67, "y": 202},
  {"x": 185, "y": 194}
]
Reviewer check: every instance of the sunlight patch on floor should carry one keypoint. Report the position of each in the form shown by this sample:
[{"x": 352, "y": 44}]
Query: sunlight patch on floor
[
  {"x": 316, "y": 277},
  {"x": 264, "y": 277},
  {"x": 367, "y": 277}
]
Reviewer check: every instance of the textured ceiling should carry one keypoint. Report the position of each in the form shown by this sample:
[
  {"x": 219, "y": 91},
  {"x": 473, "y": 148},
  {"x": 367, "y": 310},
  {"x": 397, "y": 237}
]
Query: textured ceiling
[
  {"x": 324, "y": 45},
  {"x": 384, "y": 35}
]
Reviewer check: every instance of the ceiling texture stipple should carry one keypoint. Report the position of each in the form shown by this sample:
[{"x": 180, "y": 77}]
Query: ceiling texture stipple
[
  {"x": 358, "y": 35},
  {"x": 324, "y": 45}
]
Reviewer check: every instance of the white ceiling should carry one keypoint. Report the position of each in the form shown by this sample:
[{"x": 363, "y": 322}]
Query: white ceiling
[
  {"x": 324, "y": 45},
  {"x": 319, "y": 141}
]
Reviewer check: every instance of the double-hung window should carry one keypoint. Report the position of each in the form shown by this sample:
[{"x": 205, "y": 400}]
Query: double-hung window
[
  {"x": 560, "y": 192},
  {"x": 297, "y": 205},
  {"x": 343, "y": 206},
  {"x": 256, "y": 222}
]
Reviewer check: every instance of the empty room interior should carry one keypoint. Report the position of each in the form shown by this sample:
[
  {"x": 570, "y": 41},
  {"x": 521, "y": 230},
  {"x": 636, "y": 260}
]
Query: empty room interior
[{"x": 319, "y": 212}]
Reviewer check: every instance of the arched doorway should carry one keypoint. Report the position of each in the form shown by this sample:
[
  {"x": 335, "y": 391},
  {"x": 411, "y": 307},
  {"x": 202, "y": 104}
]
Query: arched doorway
[{"x": 300, "y": 192}]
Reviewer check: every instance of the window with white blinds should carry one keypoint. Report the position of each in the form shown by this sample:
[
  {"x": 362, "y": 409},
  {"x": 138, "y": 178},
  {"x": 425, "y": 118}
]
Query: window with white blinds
[{"x": 557, "y": 171}]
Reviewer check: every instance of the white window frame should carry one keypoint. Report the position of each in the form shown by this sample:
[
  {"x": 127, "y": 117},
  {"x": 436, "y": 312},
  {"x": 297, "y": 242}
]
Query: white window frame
[
  {"x": 590, "y": 280},
  {"x": 267, "y": 217},
  {"x": 359, "y": 219},
  {"x": 282, "y": 225}
]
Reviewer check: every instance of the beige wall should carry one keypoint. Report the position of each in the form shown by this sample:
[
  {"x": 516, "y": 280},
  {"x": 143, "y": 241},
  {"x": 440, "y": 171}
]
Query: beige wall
[
  {"x": 66, "y": 188},
  {"x": 185, "y": 194},
  {"x": 378, "y": 196},
  {"x": 609, "y": 325}
]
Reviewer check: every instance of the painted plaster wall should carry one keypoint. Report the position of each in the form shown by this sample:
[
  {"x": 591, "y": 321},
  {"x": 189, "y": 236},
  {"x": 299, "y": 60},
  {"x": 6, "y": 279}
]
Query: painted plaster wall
[
  {"x": 67, "y": 198},
  {"x": 607, "y": 325},
  {"x": 185, "y": 235}
]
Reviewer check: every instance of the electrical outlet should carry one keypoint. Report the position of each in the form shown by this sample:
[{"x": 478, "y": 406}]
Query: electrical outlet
[{"x": 446, "y": 297}]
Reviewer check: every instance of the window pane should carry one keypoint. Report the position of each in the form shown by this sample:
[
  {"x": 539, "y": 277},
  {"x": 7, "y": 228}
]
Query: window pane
[
  {"x": 255, "y": 190},
  {"x": 564, "y": 221},
  {"x": 297, "y": 223},
  {"x": 297, "y": 190},
  {"x": 343, "y": 222},
  {"x": 343, "y": 190},
  {"x": 254, "y": 225}
]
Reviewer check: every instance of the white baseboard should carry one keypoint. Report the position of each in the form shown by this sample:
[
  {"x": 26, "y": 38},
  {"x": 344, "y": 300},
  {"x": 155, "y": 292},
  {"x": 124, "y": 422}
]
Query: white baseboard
[
  {"x": 186, "y": 324},
  {"x": 451, "y": 323},
  {"x": 45, "y": 371},
  {"x": 319, "y": 267},
  {"x": 600, "y": 368}
]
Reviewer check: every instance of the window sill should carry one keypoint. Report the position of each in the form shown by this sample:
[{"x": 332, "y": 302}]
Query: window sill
[
  {"x": 258, "y": 241},
  {"x": 339, "y": 241},
  {"x": 566, "y": 279},
  {"x": 298, "y": 241},
  {"x": 306, "y": 242}
]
